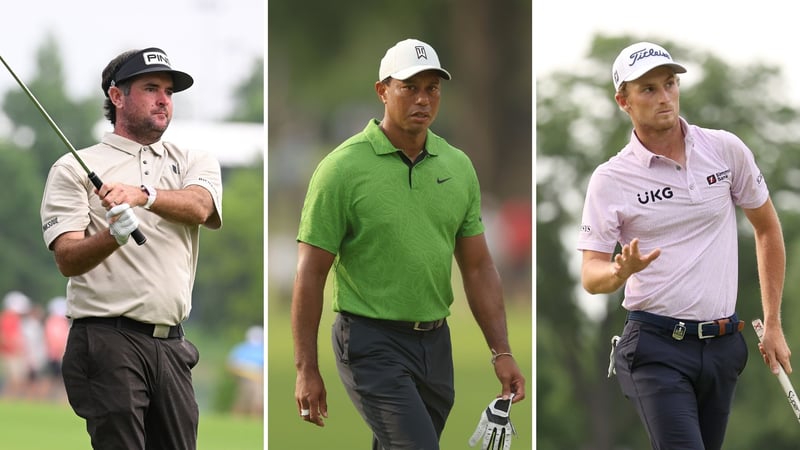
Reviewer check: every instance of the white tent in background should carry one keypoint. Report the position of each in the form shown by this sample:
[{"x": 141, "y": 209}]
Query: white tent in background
[{"x": 234, "y": 144}]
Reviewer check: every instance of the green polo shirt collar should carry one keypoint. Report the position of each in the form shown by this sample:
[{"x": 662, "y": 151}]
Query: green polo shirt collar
[{"x": 382, "y": 146}]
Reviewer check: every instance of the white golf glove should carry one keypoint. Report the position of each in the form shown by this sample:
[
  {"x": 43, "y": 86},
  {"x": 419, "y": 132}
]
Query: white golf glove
[
  {"x": 124, "y": 224},
  {"x": 495, "y": 426}
]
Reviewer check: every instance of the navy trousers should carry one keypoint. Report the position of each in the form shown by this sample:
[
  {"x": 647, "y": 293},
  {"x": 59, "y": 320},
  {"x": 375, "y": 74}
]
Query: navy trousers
[
  {"x": 400, "y": 380},
  {"x": 681, "y": 389}
]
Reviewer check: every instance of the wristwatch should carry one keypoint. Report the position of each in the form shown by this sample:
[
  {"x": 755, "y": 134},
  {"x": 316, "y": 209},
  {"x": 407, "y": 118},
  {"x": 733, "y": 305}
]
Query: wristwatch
[{"x": 151, "y": 195}]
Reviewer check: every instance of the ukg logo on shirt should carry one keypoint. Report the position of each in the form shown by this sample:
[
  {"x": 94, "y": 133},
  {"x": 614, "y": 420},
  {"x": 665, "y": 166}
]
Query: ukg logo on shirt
[{"x": 655, "y": 195}]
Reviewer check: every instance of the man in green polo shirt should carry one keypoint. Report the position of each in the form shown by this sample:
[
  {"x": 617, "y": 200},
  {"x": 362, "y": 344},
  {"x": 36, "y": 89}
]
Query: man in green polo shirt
[{"x": 387, "y": 210}]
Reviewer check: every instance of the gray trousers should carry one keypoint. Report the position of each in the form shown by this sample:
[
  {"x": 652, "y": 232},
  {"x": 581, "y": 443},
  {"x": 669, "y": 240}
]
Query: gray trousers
[{"x": 400, "y": 380}]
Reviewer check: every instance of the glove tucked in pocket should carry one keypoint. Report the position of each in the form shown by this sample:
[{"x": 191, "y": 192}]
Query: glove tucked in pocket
[{"x": 495, "y": 426}]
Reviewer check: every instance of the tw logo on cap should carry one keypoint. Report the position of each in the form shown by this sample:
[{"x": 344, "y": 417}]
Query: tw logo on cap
[
  {"x": 156, "y": 58},
  {"x": 421, "y": 52}
]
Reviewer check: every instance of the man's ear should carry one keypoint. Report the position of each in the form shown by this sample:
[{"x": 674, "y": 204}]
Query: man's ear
[
  {"x": 115, "y": 95},
  {"x": 622, "y": 102},
  {"x": 380, "y": 89}
]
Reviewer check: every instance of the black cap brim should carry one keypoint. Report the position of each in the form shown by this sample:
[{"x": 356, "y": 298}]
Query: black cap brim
[{"x": 152, "y": 60}]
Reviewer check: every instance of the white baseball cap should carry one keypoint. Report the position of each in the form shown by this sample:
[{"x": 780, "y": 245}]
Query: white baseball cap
[
  {"x": 408, "y": 58},
  {"x": 638, "y": 59}
]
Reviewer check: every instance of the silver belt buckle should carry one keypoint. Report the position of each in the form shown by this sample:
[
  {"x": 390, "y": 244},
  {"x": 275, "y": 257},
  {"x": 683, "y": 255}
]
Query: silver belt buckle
[
  {"x": 161, "y": 331},
  {"x": 679, "y": 331},
  {"x": 700, "y": 334}
]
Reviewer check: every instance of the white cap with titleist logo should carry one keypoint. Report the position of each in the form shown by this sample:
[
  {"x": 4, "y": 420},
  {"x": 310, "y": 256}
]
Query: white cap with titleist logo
[
  {"x": 408, "y": 58},
  {"x": 638, "y": 59}
]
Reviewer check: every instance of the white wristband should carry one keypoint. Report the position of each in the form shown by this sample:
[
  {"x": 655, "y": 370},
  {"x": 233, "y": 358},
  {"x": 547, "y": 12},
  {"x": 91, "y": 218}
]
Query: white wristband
[{"x": 151, "y": 195}]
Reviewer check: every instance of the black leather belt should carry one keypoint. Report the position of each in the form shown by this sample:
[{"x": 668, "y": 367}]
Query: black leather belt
[
  {"x": 158, "y": 331},
  {"x": 414, "y": 326},
  {"x": 680, "y": 328}
]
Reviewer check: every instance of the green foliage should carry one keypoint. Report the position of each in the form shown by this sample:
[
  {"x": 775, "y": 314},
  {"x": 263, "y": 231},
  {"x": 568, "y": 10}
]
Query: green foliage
[
  {"x": 323, "y": 65},
  {"x": 250, "y": 97},
  {"x": 578, "y": 127},
  {"x": 75, "y": 118},
  {"x": 25, "y": 161},
  {"x": 229, "y": 289}
]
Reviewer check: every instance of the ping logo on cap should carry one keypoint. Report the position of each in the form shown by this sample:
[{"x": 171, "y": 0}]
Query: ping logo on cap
[
  {"x": 156, "y": 58},
  {"x": 421, "y": 52}
]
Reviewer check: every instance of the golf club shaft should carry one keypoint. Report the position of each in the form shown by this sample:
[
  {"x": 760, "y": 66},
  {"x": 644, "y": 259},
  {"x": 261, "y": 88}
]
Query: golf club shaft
[
  {"x": 783, "y": 379},
  {"x": 137, "y": 235}
]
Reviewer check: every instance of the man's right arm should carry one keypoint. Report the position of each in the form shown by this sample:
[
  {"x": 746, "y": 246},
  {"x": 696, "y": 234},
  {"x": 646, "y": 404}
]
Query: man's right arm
[
  {"x": 602, "y": 275},
  {"x": 313, "y": 265},
  {"x": 597, "y": 273},
  {"x": 76, "y": 254}
]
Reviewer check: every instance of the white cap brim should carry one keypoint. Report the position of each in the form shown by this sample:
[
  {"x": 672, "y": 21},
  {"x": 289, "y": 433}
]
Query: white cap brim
[
  {"x": 636, "y": 74},
  {"x": 411, "y": 71}
]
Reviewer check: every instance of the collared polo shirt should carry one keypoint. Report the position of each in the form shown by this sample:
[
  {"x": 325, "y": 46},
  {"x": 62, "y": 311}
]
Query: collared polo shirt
[
  {"x": 392, "y": 225},
  {"x": 150, "y": 283},
  {"x": 688, "y": 212}
]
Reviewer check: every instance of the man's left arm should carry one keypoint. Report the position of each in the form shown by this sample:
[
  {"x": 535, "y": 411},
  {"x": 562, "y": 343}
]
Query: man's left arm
[
  {"x": 484, "y": 292},
  {"x": 771, "y": 257},
  {"x": 192, "y": 205}
]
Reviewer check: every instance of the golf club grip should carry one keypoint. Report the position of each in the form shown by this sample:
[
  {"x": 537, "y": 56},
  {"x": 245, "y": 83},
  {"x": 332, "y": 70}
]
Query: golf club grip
[
  {"x": 783, "y": 379},
  {"x": 137, "y": 235}
]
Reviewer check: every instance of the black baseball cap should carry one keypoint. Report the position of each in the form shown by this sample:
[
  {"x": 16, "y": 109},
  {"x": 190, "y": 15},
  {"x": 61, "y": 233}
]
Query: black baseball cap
[{"x": 146, "y": 61}]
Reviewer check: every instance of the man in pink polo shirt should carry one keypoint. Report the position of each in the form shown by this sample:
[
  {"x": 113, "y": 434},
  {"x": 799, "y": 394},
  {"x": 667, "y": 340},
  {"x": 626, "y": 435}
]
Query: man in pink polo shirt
[{"x": 669, "y": 199}]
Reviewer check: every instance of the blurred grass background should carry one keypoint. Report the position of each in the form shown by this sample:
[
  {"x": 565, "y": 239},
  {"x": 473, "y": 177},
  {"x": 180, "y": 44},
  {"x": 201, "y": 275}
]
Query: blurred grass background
[
  {"x": 35, "y": 426},
  {"x": 475, "y": 383}
]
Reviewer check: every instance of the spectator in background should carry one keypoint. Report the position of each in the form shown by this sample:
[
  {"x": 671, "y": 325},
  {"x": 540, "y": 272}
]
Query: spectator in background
[
  {"x": 246, "y": 362},
  {"x": 32, "y": 327},
  {"x": 12, "y": 344},
  {"x": 56, "y": 330}
]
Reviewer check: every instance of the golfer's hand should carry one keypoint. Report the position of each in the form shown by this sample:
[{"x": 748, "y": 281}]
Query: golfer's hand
[
  {"x": 630, "y": 260},
  {"x": 495, "y": 428},
  {"x": 311, "y": 397},
  {"x": 774, "y": 349},
  {"x": 122, "y": 222},
  {"x": 512, "y": 382}
]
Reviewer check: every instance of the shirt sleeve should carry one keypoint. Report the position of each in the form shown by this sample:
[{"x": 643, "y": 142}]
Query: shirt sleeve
[
  {"x": 205, "y": 171},
  {"x": 323, "y": 220},
  {"x": 473, "y": 222},
  {"x": 748, "y": 187},
  {"x": 65, "y": 203},
  {"x": 600, "y": 221}
]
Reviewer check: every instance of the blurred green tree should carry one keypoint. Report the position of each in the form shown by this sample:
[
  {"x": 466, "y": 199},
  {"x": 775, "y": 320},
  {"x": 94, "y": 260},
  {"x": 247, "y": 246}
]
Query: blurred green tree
[
  {"x": 27, "y": 155},
  {"x": 229, "y": 289}
]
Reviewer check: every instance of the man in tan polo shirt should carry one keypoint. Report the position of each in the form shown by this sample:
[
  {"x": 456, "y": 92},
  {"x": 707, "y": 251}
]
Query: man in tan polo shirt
[{"x": 127, "y": 364}]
